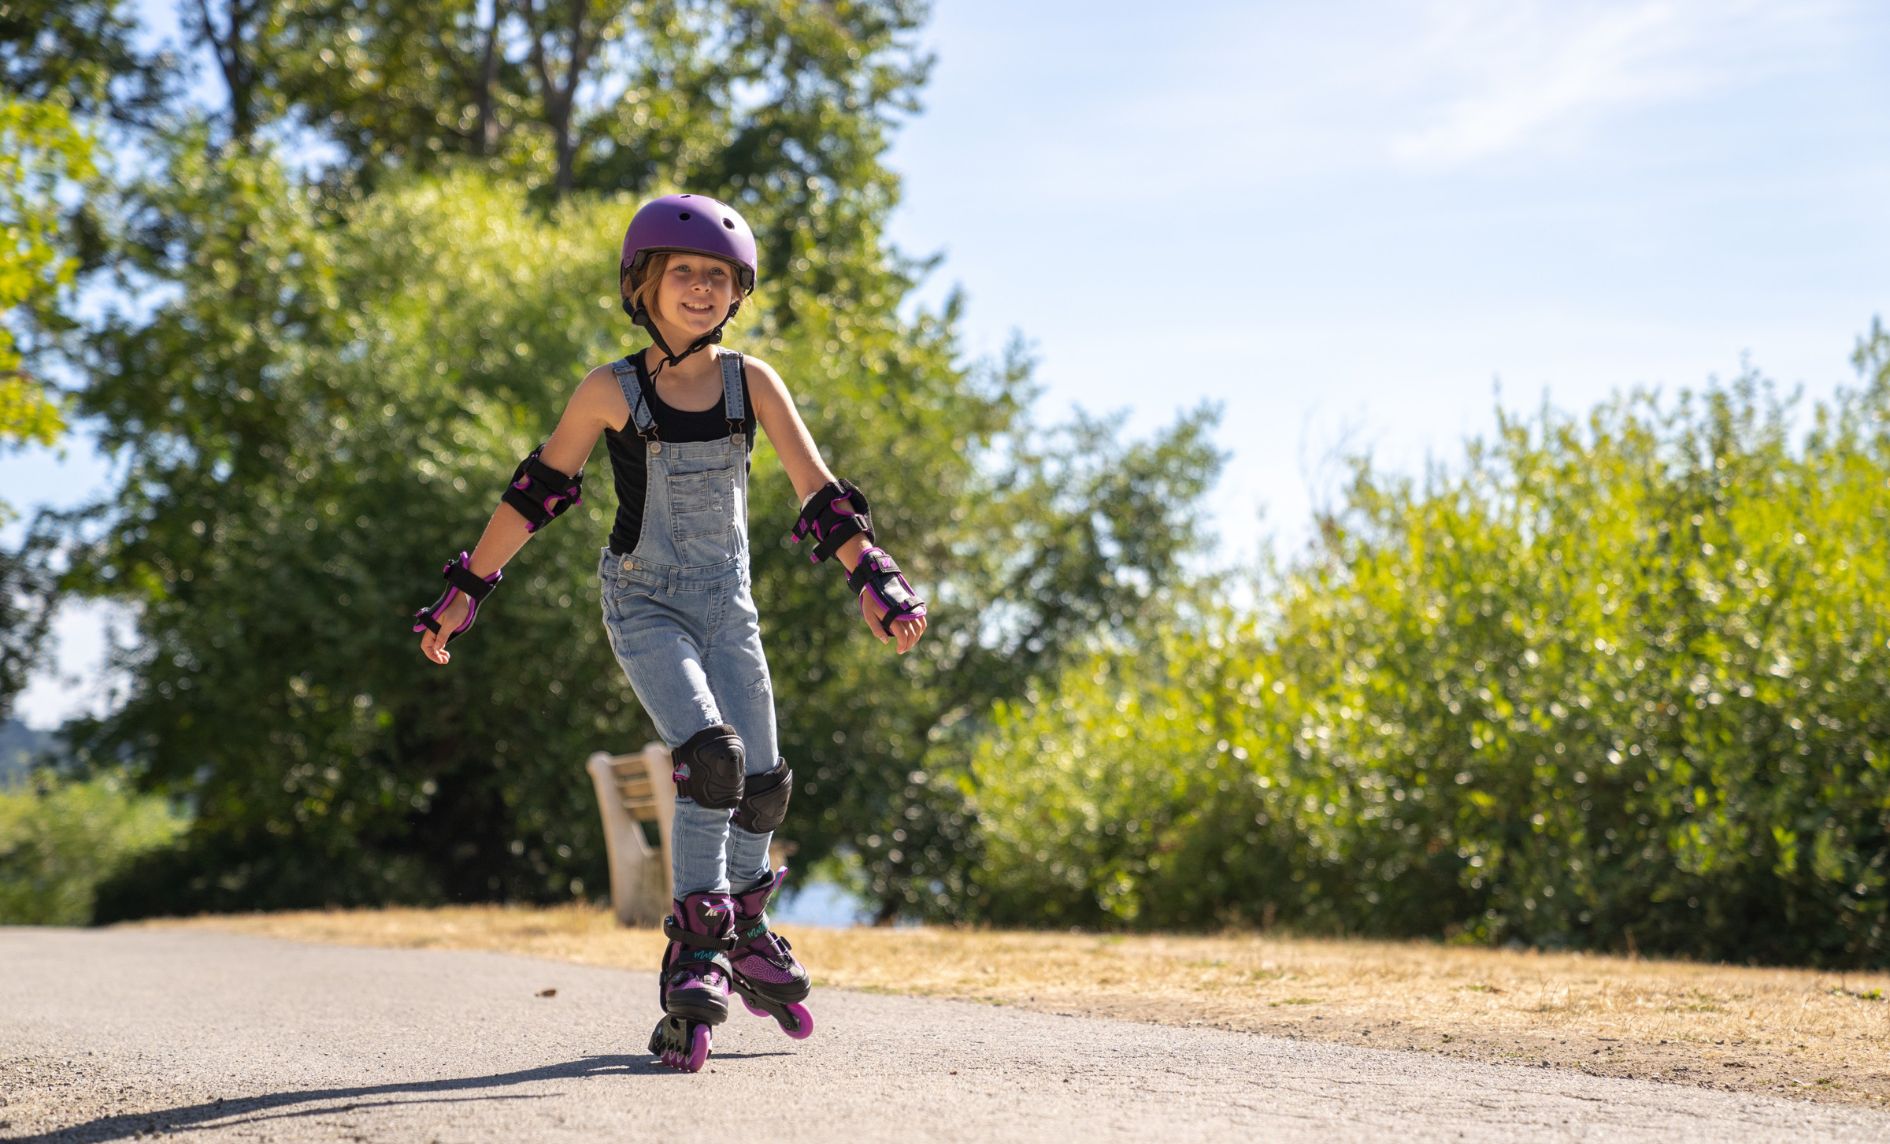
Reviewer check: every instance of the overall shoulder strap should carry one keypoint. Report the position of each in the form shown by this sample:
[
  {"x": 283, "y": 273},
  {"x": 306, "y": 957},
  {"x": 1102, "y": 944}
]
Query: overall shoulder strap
[
  {"x": 733, "y": 407},
  {"x": 640, "y": 415}
]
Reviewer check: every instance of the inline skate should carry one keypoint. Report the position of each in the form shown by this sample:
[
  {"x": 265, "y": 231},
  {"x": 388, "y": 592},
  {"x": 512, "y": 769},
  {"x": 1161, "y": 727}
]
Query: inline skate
[
  {"x": 770, "y": 981},
  {"x": 694, "y": 981}
]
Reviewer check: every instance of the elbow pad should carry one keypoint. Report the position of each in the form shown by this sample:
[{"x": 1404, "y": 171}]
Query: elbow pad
[{"x": 541, "y": 493}]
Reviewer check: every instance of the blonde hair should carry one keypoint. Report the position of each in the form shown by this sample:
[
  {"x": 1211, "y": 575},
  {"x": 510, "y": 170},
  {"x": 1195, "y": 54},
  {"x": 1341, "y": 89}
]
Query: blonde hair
[{"x": 643, "y": 291}]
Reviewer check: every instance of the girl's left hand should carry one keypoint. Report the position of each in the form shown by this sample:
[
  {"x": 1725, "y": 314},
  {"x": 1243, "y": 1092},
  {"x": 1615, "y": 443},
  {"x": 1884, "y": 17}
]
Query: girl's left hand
[{"x": 907, "y": 632}]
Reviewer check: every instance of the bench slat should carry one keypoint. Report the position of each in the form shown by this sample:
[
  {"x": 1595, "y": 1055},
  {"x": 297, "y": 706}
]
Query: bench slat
[{"x": 635, "y": 794}]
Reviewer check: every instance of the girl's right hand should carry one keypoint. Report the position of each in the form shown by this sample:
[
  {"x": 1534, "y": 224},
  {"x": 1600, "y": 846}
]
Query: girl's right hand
[{"x": 433, "y": 644}]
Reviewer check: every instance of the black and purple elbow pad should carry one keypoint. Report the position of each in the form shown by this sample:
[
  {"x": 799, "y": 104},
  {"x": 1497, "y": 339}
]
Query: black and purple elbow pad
[{"x": 541, "y": 493}]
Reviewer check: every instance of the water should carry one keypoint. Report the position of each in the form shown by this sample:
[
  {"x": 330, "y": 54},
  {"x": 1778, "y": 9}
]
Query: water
[{"x": 819, "y": 904}]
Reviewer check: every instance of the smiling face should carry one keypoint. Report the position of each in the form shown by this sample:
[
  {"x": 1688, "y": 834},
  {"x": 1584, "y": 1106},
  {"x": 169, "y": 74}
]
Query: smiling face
[{"x": 688, "y": 294}]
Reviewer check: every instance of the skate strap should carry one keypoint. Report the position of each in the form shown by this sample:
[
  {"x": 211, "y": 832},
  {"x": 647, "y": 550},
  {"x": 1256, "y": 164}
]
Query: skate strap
[
  {"x": 769, "y": 944},
  {"x": 681, "y": 936}
]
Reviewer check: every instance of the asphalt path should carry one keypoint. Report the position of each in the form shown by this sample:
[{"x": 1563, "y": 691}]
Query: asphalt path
[{"x": 117, "y": 1034}]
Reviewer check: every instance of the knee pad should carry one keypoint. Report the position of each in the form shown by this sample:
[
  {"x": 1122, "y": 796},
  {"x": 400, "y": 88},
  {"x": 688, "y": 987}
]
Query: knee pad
[
  {"x": 764, "y": 804},
  {"x": 710, "y": 767}
]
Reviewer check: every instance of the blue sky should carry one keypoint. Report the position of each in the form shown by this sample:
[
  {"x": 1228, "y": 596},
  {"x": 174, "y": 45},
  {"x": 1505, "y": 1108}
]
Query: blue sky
[{"x": 1349, "y": 223}]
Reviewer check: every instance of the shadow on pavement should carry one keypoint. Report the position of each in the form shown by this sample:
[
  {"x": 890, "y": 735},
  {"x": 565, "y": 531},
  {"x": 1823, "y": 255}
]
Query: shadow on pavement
[{"x": 227, "y": 1113}]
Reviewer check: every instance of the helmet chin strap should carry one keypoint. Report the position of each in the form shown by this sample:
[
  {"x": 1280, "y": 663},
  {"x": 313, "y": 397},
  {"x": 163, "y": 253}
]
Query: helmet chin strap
[{"x": 641, "y": 316}]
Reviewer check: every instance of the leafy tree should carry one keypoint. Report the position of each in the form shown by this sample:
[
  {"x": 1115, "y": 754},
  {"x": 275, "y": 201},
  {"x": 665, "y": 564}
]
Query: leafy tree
[
  {"x": 785, "y": 102},
  {"x": 40, "y": 149},
  {"x": 305, "y": 414},
  {"x": 786, "y": 110},
  {"x": 81, "y": 55},
  {"x": 297, "y": 464},
  {"x": 69, "y": 73}
]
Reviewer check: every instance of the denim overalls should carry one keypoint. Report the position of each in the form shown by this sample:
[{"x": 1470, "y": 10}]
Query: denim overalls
[{"x": 680, "y": 613}]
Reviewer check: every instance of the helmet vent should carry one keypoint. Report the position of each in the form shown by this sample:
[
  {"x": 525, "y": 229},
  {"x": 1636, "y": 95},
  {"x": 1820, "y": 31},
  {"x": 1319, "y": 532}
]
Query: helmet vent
[
  {"x": 729, "y": 223},
  {"x": 684, "y": 216}
]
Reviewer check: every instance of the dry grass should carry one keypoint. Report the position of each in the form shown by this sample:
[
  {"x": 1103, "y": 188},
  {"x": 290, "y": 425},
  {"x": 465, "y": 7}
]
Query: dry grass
[{"x": 1794, "y": 1032}]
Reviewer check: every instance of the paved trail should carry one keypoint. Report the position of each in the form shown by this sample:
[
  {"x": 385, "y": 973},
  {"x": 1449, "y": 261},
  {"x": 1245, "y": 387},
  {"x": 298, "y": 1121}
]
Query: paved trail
[{"x": 106, "y": 1035}]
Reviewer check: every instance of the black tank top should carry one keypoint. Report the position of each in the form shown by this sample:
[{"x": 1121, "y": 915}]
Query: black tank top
[{"x": 627, "y": 451}]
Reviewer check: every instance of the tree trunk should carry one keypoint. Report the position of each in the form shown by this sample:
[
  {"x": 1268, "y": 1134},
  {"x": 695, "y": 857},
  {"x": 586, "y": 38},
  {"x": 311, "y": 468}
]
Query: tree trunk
[
  {"x": 559, "y": 97},
  {"x": 488, "y": 129},
  {"x": 230, "y": 47}
]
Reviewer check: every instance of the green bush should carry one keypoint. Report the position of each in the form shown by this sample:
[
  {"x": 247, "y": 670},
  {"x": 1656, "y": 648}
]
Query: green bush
[
  {"x": 1614, "y": 684},
  {"x": 60, "y": 839}
]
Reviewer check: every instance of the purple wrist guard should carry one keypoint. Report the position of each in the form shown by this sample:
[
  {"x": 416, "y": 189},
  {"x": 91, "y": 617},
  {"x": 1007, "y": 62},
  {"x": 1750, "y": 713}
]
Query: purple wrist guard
[
  {"x": 876, "y": 573},
  {"x": 540, "y": 493},
  {"x": 459, "y": 578},
  {"x": 833, "y": 516}
]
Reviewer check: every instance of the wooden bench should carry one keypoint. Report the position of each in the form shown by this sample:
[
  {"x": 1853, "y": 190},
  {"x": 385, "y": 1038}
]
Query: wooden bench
[{"x": 633, "y": 791}]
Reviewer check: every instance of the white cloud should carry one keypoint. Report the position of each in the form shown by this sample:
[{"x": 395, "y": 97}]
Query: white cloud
[
  {"x": 1254, "y": 96},
  {"x": 1488, "y": 78}
]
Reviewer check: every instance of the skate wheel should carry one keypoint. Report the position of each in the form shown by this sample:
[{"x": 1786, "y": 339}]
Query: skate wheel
[
  {"x": 755, "y": 1009},
  {"x": 803, "y": 1022},
  {"x": 699, "y": 1040}
]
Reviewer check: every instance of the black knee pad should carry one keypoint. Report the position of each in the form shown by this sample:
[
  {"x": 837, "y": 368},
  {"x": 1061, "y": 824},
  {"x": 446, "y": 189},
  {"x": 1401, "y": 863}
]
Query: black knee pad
[
  {"x": 716, "y": 764},
  {"x": 765, "y": 804}
]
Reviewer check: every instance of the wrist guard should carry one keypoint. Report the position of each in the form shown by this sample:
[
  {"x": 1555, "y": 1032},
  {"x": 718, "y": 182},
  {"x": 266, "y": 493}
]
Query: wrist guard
[
  {"x": 541, "y": 493},
  {"x": 877, "y": 574},
  {"x": 833, "y": 516},
  {"x": 459, "y": 578}
]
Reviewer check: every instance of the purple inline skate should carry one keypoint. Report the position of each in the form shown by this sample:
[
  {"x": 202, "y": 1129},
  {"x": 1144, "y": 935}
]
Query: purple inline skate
[
  {"x": 693, "y": 985},
  {"x": 770, "y": 981}
]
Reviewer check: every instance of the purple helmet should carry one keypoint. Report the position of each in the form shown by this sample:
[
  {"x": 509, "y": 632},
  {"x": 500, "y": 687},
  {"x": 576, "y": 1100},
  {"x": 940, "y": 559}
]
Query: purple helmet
[{"x": 694, "y": 223}]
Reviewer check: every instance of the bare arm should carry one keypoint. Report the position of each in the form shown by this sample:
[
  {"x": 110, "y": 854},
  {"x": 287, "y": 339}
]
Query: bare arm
[
  {"x": 800, "y": 457},
  {"x": 598, "y": 403}
]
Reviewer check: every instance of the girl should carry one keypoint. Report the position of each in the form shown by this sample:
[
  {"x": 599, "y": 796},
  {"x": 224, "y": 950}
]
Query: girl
[{"x": 678, "y": 610}]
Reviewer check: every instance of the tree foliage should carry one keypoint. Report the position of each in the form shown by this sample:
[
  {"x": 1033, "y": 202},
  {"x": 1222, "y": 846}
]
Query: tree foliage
[
  {"x": 1616, "y": 683},
  {"x": 330, "y": 367},
  {"x": 771, "y": 102},
  {"x": 41, "y": 151},
  {"x": 60, "y": 840},
  {"x": 69, "y": 74},
  {"x": 82, "y": 55},
  {"x": 329, "y": 406}
]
